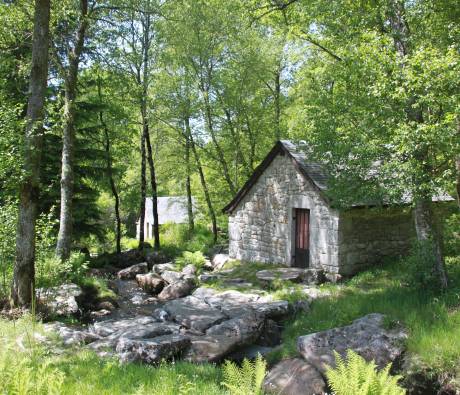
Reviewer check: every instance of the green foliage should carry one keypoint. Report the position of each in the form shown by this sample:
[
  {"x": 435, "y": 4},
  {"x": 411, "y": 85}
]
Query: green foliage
[
  {"x": 355, "y": 376},
  {"x": 176, "y": 238},
  {"x": 452, "y": 235},
  {"x": 196, "y": 259},
  {"x": 247, "y": 379}
]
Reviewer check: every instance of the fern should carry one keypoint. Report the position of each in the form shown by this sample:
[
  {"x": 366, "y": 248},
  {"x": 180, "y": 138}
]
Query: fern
[
  {"x": 247, "y": 379},
  {"x": 354, "y": 376}
]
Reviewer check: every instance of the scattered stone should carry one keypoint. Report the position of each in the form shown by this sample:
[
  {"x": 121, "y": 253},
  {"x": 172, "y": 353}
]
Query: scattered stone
[
  {"x": 60, "y": 301},
  {"x": 207, "y": 278},
  {"x": 219, "y": 260},
  {"x": 171, "y": 277},
  {"x": 99, "y": 313},
  {"x": 130, "y": 272},
  {"x": 177, "y": 290},
  {"x": 249, "y": 352},
  {"x": 366, "y": 336},
  {"x": 106, "y": 305},
  {"x": 160, "y": 268},
  {"x": 189, "y": 269},
  {"x": 150, "y": 282},
  {"x": 293, "y": 377},
  {"x": 151, "y": 351},
  {"x": 297, "y": 275},
  {"x": 193, "y": 313}
]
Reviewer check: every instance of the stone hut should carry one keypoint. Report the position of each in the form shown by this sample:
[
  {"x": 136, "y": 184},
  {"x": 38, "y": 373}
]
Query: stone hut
[{"x": 282, "y": 215}]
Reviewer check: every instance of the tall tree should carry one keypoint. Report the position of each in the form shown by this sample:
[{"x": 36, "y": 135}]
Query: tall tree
[
  {"x": 24, "y": 269},
  {"x": 69, "y": 73}
]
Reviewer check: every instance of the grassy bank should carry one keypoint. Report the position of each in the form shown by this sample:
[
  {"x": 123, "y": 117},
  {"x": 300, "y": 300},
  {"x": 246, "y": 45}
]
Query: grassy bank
[
  {"x": 433, "y": 321},
  {"x": 28, "y": 367}
]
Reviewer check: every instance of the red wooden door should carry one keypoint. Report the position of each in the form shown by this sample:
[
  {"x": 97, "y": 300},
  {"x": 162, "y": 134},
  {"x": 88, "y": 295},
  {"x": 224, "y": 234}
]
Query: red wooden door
[{"x": 302, "y": 237}]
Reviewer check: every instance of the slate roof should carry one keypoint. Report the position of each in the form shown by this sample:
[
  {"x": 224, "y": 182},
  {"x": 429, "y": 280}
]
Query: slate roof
[
  {"x": 172, "y": 209},
  {"x": 312, "y": 171}
]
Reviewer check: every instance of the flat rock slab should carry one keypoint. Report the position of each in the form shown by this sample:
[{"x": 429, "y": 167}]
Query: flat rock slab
[
  {"x": 151, "y": 351},
  {"x": 60, "y": 301},
  {"x": 161, "y": 267},
  {"x": 193, "y": 313},
  {"x": 71, "y": 335},
  {"x": 297, "y": 275},
  {"x": 294, "y": 377},
  {"x": 130, "y": 272},
  {"x": 366, "y": 336}
]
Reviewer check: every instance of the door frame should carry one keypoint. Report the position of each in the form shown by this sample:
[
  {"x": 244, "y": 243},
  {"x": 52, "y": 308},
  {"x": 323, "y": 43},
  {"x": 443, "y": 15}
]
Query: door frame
[{"x": 294, "y": 234}]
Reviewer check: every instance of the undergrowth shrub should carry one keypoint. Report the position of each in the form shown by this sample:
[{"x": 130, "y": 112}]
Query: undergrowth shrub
[
  {"x": 50, "y": 271},
  {"x": 421, "y": 267},
  {"x": 8, "y": 218},
  {"x": 355, "y": 376},
  {"x": 196, "y": 259},
  {"x": 247, "y": 379}
]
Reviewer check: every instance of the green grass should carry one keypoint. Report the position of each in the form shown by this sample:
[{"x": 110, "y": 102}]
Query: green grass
[
  {"x": 35, "y": 371},
  {"x": 433, "y": 322}
]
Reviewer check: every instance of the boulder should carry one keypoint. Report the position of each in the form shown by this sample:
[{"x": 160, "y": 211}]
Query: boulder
[
  {"x": 294, "y": 377},
  {"x": 367, "y": 336},
  {"x": 297, "y": 275},
  {"x": 189, "y": 270},
  {"x": 131, "y": 272},
  {"x": 219, "y": 260},
  {"x": 160, "y": 268},
  {"x": 193, "y": 313},
  {"x": 152, "y": 350},
  {"x": 171, "y": 277},
  {"x": 177, "y": 290},
  {"x": 150, "y": 282},
  {"x": 127, "y": 258},
  {"x": 59, "y": 301}
]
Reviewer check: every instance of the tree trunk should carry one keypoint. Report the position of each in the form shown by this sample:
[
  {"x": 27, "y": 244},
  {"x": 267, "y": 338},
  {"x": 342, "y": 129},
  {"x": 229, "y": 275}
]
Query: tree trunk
[
  {"x": 153, "y": 184},
  {"x": 143, "y": 187},
  {"x": 110, "y": 172},
  {"x": 220, "y": 153},
  {"x": 277, "y": 99},
  {"x": 427, "y": 232},
  {"x": 64, "y": 242},
  {"x": 457, "y": 165},
  {"x": 188, "y": 187},
  {"x": 212, "y": 213},
  {"x": 24, "y": 269}
]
